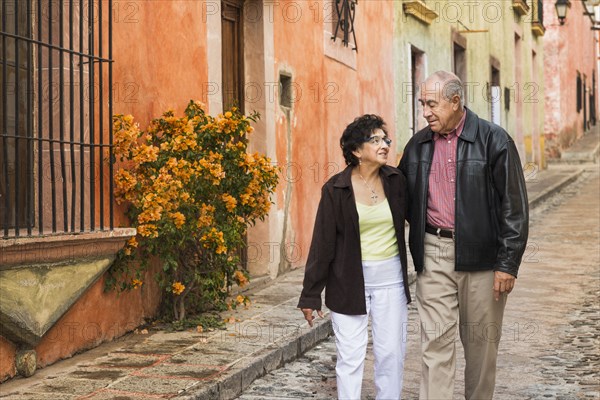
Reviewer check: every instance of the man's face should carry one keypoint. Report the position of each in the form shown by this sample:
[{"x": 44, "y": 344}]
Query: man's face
[{"x": 442, "y": 115}]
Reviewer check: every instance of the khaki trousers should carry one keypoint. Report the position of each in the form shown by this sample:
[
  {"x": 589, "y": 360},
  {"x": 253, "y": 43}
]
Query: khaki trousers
[{"x": 446, "y": 297}]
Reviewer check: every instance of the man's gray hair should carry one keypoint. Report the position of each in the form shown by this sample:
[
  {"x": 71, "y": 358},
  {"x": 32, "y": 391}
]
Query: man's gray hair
[{"x": 453, "y": 86}]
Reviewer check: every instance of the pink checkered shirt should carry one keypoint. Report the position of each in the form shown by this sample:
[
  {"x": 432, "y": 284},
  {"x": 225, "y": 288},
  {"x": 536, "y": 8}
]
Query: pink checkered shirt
[{"x": 442, "y": 179}]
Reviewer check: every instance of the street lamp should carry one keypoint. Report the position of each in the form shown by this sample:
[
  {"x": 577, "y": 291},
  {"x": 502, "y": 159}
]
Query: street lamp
[
  {"x": 561, "y": 10},
  {"x": 588, "y": 6}
]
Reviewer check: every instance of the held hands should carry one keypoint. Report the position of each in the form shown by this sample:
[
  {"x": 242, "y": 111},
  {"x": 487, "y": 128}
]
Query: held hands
[
  {"x": 503, "y": 283},
  {"x": 308, "y": 315}
]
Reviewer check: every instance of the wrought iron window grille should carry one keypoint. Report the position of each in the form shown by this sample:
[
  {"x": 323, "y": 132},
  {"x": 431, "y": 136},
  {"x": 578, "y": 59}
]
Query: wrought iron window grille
[
  {"x": 345, "y": 11},
  {"x": 56, "y": 97}
]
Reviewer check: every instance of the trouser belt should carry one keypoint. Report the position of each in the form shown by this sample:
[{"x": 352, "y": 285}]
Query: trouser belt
[{"x": 439, "y": 232}]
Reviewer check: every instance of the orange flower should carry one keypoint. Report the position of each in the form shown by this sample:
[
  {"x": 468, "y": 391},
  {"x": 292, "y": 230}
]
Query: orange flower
[
  {"x": 178, "y": 219},
  {"x": 230, "y": 201},
  {"x": 168, "y": 177},
  {"x": 240, "y": 278},
  {"x": 145, "y": 153},
  {"x": 148, "y": 230},
  {"x": 206, "y": 216},
  {"x": 125, "y": 182},
  {"x": 199, "y": 104},
  {"x": 125, "y": 134},
  {"x": 153, "y": 213},
  {"x": 215, "y": 237},
  {"x": 136, "y": 283},
  {"x": 246, "y": 198},
  {"x": 177, "y": 288},
  {"x": 131, "y": 244}
]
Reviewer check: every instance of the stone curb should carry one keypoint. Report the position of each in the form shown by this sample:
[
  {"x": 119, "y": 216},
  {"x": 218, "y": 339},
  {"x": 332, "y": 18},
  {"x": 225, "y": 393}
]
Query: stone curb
[
  {"x": 251, "y": 367},
  {"x": 552, "y": 189}
]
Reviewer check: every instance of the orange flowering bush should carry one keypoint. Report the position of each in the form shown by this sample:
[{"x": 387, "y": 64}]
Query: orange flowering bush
[{"x": 192, "y": 189}]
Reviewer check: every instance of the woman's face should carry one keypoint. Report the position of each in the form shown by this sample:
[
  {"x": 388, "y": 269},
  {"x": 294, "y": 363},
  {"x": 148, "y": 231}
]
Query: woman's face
[{"x": 375, "y": 150}]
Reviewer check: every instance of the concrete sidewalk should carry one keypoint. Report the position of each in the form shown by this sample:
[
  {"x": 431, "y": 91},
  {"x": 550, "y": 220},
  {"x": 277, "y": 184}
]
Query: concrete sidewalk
[{"x": 211, "y": 365}]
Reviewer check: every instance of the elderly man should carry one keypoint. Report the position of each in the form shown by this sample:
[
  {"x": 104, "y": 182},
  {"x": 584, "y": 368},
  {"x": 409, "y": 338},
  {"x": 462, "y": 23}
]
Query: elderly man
[{"x": 468, "y": 216}]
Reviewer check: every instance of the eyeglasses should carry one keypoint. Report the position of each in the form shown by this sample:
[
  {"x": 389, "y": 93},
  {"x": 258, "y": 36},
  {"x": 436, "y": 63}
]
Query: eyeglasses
[{"x": 376, "y": 140}]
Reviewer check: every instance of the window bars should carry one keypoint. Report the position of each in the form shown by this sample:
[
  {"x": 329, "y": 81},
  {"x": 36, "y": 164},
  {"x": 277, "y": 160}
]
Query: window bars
[
  {"x": 344, "y": 13},
  {"x": 56, "y": 173}
]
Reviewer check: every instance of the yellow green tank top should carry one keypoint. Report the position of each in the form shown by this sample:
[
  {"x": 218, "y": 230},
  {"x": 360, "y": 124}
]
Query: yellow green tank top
[{"x": 377, "y": 234}]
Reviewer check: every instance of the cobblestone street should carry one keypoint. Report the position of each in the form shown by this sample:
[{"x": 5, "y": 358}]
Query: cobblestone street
[{"x": 550, "y": 347}]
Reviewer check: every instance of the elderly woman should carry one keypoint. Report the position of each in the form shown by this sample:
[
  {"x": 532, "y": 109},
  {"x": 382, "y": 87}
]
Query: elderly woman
[{"x": 358, "y": 254}]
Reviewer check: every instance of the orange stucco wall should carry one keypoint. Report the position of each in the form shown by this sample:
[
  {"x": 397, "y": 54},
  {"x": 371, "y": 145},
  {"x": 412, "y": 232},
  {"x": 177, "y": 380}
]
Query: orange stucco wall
[
  {"x": 331, "y": 95},
  {"x": 95, "y": 318},
  {"x": 7, "y": 359},
  {"x": 160, "y": 58},
  {"x": 159, "y": 52},
  {"x": 98, "y": 317},
  {"x": 160, "y": 61}
]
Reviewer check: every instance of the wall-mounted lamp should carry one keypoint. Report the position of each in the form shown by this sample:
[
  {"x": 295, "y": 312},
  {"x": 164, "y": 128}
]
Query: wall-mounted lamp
[
  {"x": 588, "y": 7},
  {"x": 590, "y": 11},
  {"x": 562, "y": 6}
]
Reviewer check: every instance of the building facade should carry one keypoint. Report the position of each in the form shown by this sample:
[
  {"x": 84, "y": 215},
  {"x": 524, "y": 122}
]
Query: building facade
[
  {"x": 571, "y": 75},
  {"x": 308, "y": 67},
  {"x": 68, "y": 66},
  {"x": 495, "y": 47}
]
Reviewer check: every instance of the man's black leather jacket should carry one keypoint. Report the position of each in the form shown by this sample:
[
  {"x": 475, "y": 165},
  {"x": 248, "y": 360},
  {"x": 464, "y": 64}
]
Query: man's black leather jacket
[{"x": 492, "y": 212}]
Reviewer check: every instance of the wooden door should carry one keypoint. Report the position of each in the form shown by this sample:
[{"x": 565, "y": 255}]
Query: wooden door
[{"x": 232, "y": 53}]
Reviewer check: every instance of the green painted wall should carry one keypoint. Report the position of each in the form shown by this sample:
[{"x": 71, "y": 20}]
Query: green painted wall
[{"x": 488, "y": 29}]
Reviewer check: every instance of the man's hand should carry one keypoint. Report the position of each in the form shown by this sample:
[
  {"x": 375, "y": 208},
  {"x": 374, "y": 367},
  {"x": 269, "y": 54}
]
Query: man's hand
[
  {"x": 308, "y": 315},
  {"x": 503, "y": 283}
]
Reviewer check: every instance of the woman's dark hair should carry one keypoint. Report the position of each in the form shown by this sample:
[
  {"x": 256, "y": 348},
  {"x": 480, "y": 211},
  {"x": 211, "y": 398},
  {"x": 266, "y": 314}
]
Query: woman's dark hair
[{"x": 357, "y": 133}]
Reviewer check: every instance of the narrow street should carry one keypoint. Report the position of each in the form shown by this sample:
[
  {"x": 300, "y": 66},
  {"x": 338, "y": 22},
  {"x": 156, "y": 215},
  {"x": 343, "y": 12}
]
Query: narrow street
[{"x": 550, "y": 347}]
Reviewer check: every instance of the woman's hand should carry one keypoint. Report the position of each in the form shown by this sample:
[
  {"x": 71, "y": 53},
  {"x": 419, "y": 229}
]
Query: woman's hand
[{"x": 308, "y": 315}]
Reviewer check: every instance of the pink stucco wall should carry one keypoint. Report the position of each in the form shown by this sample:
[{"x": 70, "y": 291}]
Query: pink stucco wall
[{"x": 567, "y": 49}]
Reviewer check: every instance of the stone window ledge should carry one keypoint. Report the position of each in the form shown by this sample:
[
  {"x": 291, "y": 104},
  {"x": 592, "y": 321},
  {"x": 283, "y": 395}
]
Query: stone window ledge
[
  {"x": 520, "y": 7},
  {"x": 538, "y": 29},
  {"x": 420, "y": 11},
  {"x": 62, "y": 248}
]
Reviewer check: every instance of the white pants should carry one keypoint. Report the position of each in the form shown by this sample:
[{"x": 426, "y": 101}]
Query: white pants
[{"x": 389, "y": 314}]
